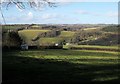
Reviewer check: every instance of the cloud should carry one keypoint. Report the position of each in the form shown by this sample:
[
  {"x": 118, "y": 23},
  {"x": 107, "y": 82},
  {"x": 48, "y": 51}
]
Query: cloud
[
  {"x": 46, "y": 16},
  {"x": 82, "y": 12},
  {"x": 30, "y": 18},
  {"x": 30, "y": 14},
  {"x": 108, "y": 14},
  {"x": 112, "y": 14},
  {"x": 49, "y": 16},
  {"x": 20, "y": 19},
  {"x": 85, "y": 12}
]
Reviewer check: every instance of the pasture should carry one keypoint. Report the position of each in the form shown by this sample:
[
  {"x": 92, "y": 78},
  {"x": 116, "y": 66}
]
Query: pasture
[
  {"x": 62, "y": 65},
  {"x": 94, "y": 47},
  {"x": 48, "y": 40},
  {"x": 29, "y": 34},
  {"x": 67, "y": 34}
]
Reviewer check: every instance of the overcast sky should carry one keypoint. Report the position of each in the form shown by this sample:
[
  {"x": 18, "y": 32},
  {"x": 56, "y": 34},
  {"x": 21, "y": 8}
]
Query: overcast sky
[{"x": 65, "y": 13}]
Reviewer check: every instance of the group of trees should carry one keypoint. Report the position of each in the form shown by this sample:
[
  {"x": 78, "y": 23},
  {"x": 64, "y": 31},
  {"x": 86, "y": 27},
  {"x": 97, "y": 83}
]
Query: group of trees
[
  {"x": 11, "y": 39},
  {"x": 112, "y": 28}
]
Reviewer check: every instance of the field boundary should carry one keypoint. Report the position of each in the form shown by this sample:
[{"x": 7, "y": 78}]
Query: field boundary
[{"x": 101, "y": 49}]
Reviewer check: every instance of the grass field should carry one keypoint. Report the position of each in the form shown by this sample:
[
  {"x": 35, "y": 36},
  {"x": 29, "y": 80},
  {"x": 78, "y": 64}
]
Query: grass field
[
  {"x": 68, "y": 66},
  {"x": 67, "y": 34},
  {"x": 50, "y": 40},
  {"x": 29, "y": 34},
  {"x": 95, "y": 46},
  {"x": 92, "y": 29}
]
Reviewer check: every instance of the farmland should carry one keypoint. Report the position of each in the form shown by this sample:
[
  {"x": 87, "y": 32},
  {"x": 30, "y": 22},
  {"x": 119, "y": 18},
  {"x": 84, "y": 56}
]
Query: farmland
[
  {"x": 50, "y": 40},
  {"x": 28, "y": 35},
  {"x": 87, "y": 55},
  {"x": 67, "y": 34},
  {"x": 94, "y": 47}
]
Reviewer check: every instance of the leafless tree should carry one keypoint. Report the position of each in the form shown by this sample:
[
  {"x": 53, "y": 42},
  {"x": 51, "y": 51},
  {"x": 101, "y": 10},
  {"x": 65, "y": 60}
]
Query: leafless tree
[{"x": 22, "y": 4}]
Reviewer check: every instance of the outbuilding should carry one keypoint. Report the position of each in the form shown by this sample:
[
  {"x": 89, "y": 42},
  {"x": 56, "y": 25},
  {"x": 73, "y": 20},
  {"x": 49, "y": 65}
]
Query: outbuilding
[{"x": 24, "y": 47}]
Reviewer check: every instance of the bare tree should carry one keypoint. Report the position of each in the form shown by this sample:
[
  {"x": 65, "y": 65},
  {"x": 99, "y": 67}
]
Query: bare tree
[{"x": 22, "y": 4}]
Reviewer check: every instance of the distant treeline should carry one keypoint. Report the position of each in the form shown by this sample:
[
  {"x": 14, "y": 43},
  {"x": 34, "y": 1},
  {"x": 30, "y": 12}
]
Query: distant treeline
[{"x": 112, "y": 29}]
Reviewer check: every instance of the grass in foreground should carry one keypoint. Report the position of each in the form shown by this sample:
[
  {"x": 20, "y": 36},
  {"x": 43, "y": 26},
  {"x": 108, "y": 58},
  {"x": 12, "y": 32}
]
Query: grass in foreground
[{"x": 69, "y": 66}]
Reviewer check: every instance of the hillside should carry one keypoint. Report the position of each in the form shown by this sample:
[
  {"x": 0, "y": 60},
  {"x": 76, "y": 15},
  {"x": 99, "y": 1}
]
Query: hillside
[
  {"x": 92, "y": 35},
  {"x": 100, "y": 36},
  {"x": 29, "y": 34}
]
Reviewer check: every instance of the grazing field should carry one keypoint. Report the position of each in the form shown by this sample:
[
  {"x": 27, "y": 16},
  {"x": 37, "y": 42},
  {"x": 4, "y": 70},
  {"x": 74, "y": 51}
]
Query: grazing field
[
  {"x": 94, "y": 47},
  {"x": 29, "y": 34},
  {"x": 50, "y": 40},
  {"x": 62, "y": 65},
  {"x": 92, "y": 29},
  {"x": 67, "y": 34}
]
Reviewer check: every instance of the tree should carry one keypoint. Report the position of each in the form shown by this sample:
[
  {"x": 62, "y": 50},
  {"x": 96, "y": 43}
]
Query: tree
[
  {"x": 22, "y": 5},
  {"x": 32, "y": 3},
  {"x": 11, "y": 39}
]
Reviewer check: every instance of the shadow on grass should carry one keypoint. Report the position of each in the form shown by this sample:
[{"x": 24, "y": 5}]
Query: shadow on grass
[
  {"x": 26, "y": 70},
  {"x": 61, "y": 52}
]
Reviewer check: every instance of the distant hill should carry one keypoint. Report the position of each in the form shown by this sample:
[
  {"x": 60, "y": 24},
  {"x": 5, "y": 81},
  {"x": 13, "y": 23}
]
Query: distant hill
[{"x": 105, "y": 36}]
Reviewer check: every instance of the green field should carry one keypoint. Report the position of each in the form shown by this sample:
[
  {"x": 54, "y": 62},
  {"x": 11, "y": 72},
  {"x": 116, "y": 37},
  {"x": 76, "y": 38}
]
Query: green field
[
  {"x": 95, "y": 46},
  {"x": 67, "y": 34},
  {"x": 50, "y": 40},
  {"x": 69, "y": 66},
  {"x": 29, "y": 34}
]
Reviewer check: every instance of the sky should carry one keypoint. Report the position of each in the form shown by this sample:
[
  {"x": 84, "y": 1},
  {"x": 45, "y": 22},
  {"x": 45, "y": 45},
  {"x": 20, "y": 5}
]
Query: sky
[{"x": 65, "y": 13}]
